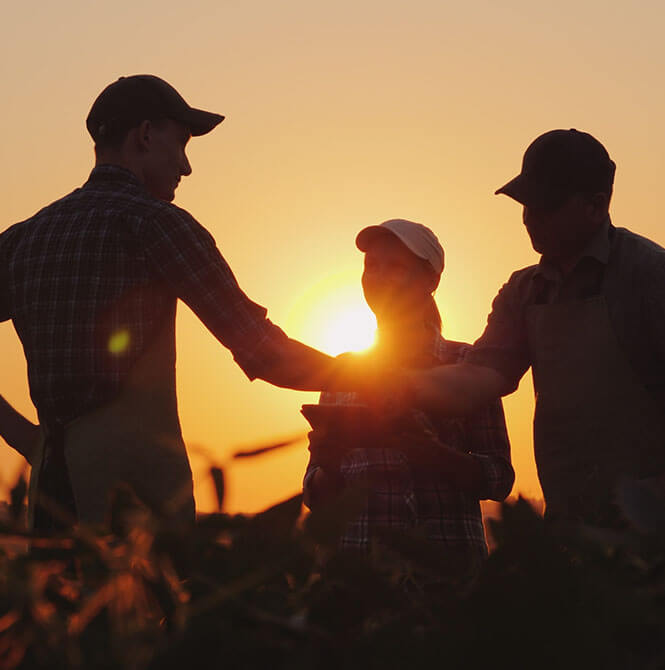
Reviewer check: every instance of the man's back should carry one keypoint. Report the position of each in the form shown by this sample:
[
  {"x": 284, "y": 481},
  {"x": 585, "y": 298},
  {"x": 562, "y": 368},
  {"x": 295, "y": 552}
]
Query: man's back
[
  {"x": 81, "y": 292},
  {"x": 92, "y": 278}
]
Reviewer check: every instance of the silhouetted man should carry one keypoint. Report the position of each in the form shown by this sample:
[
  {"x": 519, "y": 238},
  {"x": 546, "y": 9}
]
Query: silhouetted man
[
  {"x": 91, "y": 283},
  {"x": 589, "y": 319}
]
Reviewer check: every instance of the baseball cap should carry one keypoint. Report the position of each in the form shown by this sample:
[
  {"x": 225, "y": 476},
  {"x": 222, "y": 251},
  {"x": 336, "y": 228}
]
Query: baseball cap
[
  {"x": 130, "y": 100},
  {"x": 560, "y": 163},
  {"x": 418, "y": 239}
]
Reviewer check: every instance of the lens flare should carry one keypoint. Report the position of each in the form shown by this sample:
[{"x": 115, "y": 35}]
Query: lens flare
[{"x": 119, "y": 342}]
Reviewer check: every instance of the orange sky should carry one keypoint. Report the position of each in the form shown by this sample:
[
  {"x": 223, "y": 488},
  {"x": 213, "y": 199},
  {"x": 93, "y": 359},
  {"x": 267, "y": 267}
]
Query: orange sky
[{"x": 338, "y": 116}]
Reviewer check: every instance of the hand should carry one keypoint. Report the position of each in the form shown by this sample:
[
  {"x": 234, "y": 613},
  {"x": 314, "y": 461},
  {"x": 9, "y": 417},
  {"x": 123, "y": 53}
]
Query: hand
[
  {"x": 389, "y": 393},
  {"x": 325, "y": 453},
  {"x": 321, "y": 488}
]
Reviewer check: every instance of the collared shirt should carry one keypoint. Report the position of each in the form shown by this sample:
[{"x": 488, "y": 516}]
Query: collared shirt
[
  {"x": 625, "y": 268},
  {"x": 407, "y": 495},
  {"x": 91, "y": 278}
]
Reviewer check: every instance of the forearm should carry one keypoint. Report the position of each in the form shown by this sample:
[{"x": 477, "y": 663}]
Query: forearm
[
  {"x": 17, "y": 431},
  {"x": 297, "y": 366},
  {"x": 456, "y": 390}
]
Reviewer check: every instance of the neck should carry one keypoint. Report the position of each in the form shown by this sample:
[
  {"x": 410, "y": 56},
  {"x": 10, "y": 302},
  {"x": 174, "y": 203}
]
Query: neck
[
  {"x": 566, "y": 261},
  {"x": 120, "y": 159},
  {"x": 566, "y": 264}
]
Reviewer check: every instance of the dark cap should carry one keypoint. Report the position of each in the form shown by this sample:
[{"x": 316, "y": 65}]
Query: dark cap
[
  {"x": 131, "y": 100},
  {"x": 558, "y": 164}
]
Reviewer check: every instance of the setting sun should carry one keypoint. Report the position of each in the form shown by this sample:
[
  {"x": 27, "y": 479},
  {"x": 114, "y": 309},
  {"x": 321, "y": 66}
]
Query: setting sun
[{"x": 332, "y": 315}]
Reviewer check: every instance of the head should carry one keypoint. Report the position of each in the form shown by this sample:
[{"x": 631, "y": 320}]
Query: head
[
  {"x": 403, "y": 266},
  {"x": 142, "y": 123},
  {"x": 565, "y": 187}
]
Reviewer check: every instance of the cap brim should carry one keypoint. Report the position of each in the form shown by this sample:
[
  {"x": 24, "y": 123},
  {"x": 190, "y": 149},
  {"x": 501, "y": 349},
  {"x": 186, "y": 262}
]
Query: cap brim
[
  {"x": 534, "y": 192},
  {"x": 200, "y": 122},
  {"x": 517, "y": 189},
  {"x": 367, "y": 235}
]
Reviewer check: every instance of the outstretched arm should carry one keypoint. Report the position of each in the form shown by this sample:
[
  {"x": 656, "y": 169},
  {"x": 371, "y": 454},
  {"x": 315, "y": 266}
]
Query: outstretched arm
[
  {"x": 184, "y": 255},
  {"x": 17, "y": 431},
  {"x": 291, "y": 364},
  {"x": 457, "y": 389}
]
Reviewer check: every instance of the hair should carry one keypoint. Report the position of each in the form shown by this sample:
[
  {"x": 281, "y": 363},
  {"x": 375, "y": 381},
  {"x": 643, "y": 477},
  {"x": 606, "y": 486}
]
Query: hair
[
  {"x": 113, "y": 134},
  {"x": 432, "y": 315}
]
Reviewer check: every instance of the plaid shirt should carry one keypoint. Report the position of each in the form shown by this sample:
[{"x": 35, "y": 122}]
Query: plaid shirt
[
  {"x": 91, "y": 278},
  {"x": 404, "y": 495}
]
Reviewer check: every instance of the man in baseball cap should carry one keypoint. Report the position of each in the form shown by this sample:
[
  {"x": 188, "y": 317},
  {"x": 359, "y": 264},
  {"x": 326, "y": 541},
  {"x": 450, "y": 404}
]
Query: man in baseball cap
[
  {"x": 558, "y": 164},
  {"x": 91, "y": 283},
  {"x": 589, "y": 319}
]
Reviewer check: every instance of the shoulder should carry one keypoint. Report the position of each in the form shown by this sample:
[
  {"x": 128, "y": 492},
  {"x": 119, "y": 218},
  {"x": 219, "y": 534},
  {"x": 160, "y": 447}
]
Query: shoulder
[
  {"x": 637, "y": 267},
  {"x": 171, "y": 220},
  {"x": 638, "y": 251},
  {"x": 51, "y": 210},
  {"x": 521, "y": 280},
  {"x": 13, "y": 235},
  {"x": 164, "y": 211},
  {"x": 10, "y": 233},
  {"x": 516, "y": 293}
]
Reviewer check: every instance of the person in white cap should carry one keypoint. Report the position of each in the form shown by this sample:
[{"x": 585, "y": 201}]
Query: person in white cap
[{"x": 424, "y": 470}]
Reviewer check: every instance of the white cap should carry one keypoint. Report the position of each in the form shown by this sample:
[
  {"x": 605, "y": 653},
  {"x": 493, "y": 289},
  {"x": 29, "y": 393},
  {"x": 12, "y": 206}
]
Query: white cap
[{"x": 418, "y": 239}]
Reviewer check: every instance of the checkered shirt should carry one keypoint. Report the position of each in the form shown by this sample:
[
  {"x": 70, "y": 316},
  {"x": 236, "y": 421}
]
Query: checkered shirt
[
  {"x": 404, "y": 495},
  {"x": 91, "y": 278}
]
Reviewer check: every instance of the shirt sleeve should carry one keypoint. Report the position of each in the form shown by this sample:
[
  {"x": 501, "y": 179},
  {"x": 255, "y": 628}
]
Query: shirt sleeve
[
  {"x": 489, "y": 444},
  {"x": 503, "y": 345},
  {"x": 184, "y": 255},
  {"x": 5, "y": 311}
]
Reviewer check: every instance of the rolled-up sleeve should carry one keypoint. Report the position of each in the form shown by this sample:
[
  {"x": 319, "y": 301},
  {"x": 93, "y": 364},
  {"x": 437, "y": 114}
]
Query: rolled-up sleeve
[
  {"x": 504, "y": 345},
  {"x": 488, "y": 442},
  {"x": 184, "y": 255}
]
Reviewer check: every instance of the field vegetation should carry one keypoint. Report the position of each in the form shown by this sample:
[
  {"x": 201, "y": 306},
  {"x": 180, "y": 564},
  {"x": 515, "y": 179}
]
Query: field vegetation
[{"x": 272, "y": 591}]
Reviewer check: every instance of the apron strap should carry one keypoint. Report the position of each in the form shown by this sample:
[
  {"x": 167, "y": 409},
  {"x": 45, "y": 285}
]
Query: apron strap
[{"x": 55, "y": 508}]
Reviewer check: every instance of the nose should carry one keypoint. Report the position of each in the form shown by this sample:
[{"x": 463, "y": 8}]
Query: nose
[
  {"x": 185, "y": 168},
  {"x": 530, "y": 217}
]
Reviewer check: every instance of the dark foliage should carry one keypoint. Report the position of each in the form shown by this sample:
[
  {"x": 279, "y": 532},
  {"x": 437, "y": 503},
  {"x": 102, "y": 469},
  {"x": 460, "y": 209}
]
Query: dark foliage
[{"x": 272, "y": 591}]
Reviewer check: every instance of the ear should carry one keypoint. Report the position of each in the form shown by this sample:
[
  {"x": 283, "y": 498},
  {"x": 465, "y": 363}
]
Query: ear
[{"x": 143, "y": 135}]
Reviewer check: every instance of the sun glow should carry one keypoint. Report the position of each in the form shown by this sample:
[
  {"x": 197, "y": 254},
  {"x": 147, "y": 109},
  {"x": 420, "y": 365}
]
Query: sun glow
[{"x": 332, "y": 316}]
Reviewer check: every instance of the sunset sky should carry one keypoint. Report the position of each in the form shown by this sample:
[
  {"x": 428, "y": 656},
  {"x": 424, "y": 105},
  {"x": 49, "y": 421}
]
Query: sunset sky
[{"x": 339, "y": 115}]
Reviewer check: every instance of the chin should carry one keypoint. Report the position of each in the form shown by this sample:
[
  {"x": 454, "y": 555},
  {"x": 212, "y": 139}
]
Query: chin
[{"x": 537, "y": 246}]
